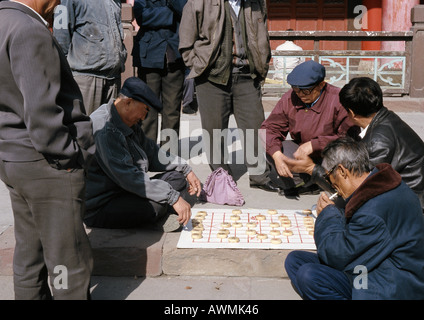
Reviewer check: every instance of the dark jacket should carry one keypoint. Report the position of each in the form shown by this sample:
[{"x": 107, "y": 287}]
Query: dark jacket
[
  {"x": 159, "y": 22},
  {"x": 124, "y": 157},
  {"x": 41, "y": 109},
  {"x": 93, "y": 39},
  {"x": 390, "y": 140},
  {"x": 381, "y": 229}
]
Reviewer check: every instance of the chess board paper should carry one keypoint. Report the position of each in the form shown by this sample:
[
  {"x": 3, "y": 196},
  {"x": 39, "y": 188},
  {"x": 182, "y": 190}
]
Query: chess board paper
[{"x": 215, "y": 217}]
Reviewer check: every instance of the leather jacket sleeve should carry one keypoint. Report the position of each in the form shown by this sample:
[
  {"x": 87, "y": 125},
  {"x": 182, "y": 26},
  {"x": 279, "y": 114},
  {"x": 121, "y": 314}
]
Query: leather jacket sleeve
[{"x": 318, "y": 177}]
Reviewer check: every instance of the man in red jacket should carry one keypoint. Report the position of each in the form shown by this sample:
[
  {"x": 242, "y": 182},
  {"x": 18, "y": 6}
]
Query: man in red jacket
[{"x": 313, "y": 116}]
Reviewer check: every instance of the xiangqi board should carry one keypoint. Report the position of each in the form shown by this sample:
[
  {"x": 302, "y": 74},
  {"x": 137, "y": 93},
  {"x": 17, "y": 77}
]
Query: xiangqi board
[{"x": 249, "y": 229}]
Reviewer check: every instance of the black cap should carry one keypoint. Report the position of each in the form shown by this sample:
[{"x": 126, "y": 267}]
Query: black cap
[
  {"x": 306, "y": 75},
  {"x": 137, "y": 89}
]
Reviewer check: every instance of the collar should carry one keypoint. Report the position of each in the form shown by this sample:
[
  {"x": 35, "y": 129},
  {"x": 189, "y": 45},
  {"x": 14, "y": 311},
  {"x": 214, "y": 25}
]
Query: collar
[
  {"x": 42, "y": 19},
  {"x": 313, "y": 103},
  {"x": 364, "y": 132},
  {"x": 117, "y": 121},
  {"x": 235, "y": 4},
  {"x": 381, "y": 180},
  {"x": 298, "y": 103}
]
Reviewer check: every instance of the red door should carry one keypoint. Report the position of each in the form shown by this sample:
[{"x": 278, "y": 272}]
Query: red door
[{"x": 308, "y": 15}]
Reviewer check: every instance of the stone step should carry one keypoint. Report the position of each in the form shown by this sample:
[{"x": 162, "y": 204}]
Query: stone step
[
  {"x": 137, "y": 252},
  {"x": 222, "y": 262},
  {"x": 129, "y": 252}
]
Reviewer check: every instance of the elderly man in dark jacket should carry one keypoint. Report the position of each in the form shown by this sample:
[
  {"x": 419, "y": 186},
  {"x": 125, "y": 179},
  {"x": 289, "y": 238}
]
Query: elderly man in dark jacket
[
  {"x": 121, "y": 193},
  {"x": 373, "y": 249}
]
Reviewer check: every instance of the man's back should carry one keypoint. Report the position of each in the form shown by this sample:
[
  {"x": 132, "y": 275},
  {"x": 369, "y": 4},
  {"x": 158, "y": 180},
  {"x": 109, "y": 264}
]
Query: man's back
[
  {"x": 93, "y": 38},
  {"x": 389, "y": 139}
]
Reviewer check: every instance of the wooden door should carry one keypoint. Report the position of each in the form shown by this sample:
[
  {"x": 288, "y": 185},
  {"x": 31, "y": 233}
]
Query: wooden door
[{"x": 309, "y": 15}]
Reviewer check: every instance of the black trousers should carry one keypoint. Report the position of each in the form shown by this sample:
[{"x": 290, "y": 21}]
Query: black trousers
[
  {"x": 168, "y": 85},
  {"x": 48, "y": 206},
  {"x": 128, "y": 210},
  {"x": 242, "y": 97}
]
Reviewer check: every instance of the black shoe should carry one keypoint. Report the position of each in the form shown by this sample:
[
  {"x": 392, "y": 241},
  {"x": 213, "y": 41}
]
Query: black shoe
[
  {"x": 267, "y": 186},
  {"x": 189, "y": 110},
  {"x": 299, "y": 191}
]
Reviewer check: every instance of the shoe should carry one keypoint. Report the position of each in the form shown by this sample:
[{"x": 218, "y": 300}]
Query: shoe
[
  {"x": 189, "y": 110},
  {"x": 269, "y": 186},
  {"x": 299, "y": 191},
  {"x": 168, "y": 223}
]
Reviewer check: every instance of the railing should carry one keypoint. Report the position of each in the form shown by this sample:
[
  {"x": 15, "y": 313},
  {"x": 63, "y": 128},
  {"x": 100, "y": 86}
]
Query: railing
[
  {"x": 391, "y": 69},
  {"x": 398, "y": 72}
]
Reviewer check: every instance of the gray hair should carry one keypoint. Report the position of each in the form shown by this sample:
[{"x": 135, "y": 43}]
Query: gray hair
[
  {"x": 122, "y": 96},
  {"x": 353, "y": 155}
]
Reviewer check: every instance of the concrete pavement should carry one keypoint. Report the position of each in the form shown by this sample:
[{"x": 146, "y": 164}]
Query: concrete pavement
[{"x": 145, "y": 265}]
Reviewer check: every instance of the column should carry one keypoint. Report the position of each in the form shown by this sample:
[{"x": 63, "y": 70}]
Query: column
[
  {"x": 374, "y": 15},
  {"x": 417, "y": 75},
  {"x": 397, "y": 17}
]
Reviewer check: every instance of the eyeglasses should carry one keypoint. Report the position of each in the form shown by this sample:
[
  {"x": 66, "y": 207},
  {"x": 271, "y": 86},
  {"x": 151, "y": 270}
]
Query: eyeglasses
[
  {"x": 305, "y": 92},
  {"x": 327, "y": 175}
]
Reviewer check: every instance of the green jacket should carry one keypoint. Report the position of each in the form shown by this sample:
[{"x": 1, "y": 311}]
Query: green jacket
[{"x": 201, "y": 29}]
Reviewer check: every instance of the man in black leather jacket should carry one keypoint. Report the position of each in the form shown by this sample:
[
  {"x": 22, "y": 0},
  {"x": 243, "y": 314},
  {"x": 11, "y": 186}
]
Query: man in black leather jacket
[{"x": 387, "y": 137}]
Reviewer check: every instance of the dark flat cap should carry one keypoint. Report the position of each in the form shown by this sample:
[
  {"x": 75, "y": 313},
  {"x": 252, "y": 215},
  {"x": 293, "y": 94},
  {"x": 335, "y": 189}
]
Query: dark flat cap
[
  {"x": 306, "y": 75},
  {"x": 137, "y": 89}
]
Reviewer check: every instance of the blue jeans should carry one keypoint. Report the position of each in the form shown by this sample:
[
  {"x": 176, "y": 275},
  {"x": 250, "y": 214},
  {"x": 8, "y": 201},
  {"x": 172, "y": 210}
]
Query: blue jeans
[{"x": 314, "y": 280}]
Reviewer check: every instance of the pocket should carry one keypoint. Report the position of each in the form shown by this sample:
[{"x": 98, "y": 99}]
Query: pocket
[
  {"x": 89, "y": 41},
  {"x": 144, "y": 44}
]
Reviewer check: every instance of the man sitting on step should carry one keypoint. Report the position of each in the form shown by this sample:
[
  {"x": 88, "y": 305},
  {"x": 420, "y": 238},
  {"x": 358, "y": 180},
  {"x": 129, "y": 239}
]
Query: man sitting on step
[{"x": 120, "y": 192}]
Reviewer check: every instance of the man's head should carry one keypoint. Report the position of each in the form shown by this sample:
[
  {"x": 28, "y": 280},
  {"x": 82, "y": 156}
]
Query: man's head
[
  {"x": 135, "y": 101},
  {"x": 362, "y": 96},
  {"x": 307, "y": 80},
  {"x": 347, "y": 164}
]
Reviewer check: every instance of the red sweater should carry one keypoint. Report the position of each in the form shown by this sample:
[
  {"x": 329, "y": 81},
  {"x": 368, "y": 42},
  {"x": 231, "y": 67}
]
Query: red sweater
[{"x": 326, "y": 121}]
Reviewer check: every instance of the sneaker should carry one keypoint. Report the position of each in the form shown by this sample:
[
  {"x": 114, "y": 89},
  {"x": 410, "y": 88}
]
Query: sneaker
[{"x": 168, "y": 223}]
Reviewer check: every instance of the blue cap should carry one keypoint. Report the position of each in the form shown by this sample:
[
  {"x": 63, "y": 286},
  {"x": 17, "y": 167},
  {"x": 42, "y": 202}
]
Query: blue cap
[
  {"x": 306, "y": 75},
  {"x": 137, "y": 89}
]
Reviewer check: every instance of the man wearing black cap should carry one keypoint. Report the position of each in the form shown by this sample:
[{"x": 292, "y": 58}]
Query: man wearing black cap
[
  {"x": 312, "y": 114},
  {"x": 120, "y": 192}
]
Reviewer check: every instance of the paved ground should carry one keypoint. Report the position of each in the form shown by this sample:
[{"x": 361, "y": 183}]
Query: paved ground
[{"x": 170, "y": 278}]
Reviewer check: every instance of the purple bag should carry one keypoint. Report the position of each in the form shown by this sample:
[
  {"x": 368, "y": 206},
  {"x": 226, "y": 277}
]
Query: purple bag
[{"x": 220, "y": 188}]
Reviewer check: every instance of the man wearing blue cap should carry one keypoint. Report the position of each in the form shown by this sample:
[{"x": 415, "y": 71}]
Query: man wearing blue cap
[
  {"x": 120, "y": 192},
  {"x": 311, "y": 112}
]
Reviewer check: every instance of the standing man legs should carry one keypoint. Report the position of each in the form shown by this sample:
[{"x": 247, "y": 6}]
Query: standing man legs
[{"x": 167, "y": 84}]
